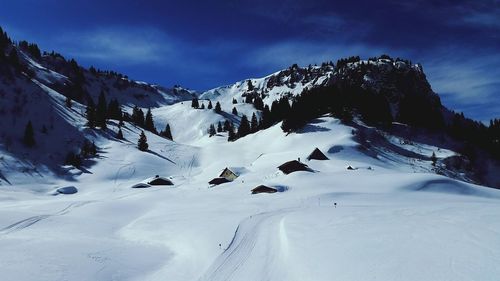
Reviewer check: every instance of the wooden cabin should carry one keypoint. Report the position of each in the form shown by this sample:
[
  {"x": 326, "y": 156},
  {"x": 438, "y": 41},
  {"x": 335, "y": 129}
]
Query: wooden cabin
[
  {"x": 217, "y": 181},
  {"x": 229, "y": 173},
  {"x": 160, "y": 181},
  {"x": 293, "y": 166},
  {"x": 317, "y": 155},
  {"x": 263, "y": 189}
]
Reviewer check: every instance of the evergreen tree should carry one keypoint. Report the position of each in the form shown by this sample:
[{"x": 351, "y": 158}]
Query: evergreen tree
[
  {"x": 244, "y": 128},
  {"x": 89, "y": 149},
  {"x": 280, "y": 109},
  {"x": 167, "y": 133},
  {"x": 195, "y": 103},
  {"x": 235, "y": 101},
  {"x": 211, "y": 130},
  {"x": 30, "y": 48},
  {"x": 4, "y": 42},
  {"x": 13, "y": 59},
  {"x": 202, "y": 106},
  {"x": 91, "y": 116},
  {"x": 101, "y": 111},
  {"x": 219, "y": 127},
  {"x": 254, "y": 124},
  {"x": 345, "y": 115},
  {"x": 249, "y": 99},
  {"x": 90, "y": 101},
  {"x": 209, "y": 105},
  {"x": 149, "y": 123},
  {"x": 433, "y": 159},
  {"x": 217, "y": 108},
  {"x": 266, "y": 118},
  {"x": 261, "y": 124},
  {"x": 29, "y": 135},
  {"x": 227, "y": 126},
  {"x": 231, "y": 134},
  {"x": 235, "y": 112},
  {"x": 138, "y": 116},
  {"x": 35, "y": 51},
  {"x": 114, "y": 110},
  {"x": 73, "y": 159},
  {"x": 68, "y": 102},
  {"x": 249, "y": 85},
  {"x": 289, "y": 125},
  {"x": 142, "y": 143},
  {"x": 93, "y": 70},
  {"x": 119, "y": 135},
  {"x": 258, "y": 103}
]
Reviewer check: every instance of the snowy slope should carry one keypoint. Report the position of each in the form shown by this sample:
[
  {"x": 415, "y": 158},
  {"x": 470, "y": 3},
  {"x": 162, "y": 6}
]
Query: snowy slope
[
  {"x": 38, "y": 94},
  {"x": 288, "y": 82},
  {"x": 389, "y": 223},
  {"x": 58, "y": 129},
  {"x": 189, "y": 125}
]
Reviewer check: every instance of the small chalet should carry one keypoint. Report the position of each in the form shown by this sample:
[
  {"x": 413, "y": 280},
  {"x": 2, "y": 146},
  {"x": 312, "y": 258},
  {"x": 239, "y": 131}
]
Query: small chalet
[
  {"x": 217, "y": 181},
  {"x": 160, "y": 181},
  {"x": 293, "y": 166},
  {"x": 317, "y": 155},
  {"x": 230, "y": 173},
  {"x": 263, "y": 189}
]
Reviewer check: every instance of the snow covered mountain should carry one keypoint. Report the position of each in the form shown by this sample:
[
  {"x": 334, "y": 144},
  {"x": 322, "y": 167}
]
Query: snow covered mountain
[
  {"x": 52, "y": 93},
  {"x": 397, "y": 80},
  {"x": 394, "y": 198},
  {"x": 288, "y": 82}
]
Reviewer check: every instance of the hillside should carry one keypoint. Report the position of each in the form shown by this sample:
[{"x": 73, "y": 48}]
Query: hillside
[
  {"x": 53, "y": 94},
  {"x": 383, "y": 209}
]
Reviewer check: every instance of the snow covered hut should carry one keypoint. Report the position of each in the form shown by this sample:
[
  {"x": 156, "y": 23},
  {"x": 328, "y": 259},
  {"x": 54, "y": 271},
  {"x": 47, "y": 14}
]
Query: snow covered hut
[
  {"x": 217, "y": 181},
  {"x": 160, "y": 181},
  {"x": 293, "y": 166},
  {"x": 230, "y": 173},
  {"x": 317, "y": 155},
  {"x": 263, "y": 189}
]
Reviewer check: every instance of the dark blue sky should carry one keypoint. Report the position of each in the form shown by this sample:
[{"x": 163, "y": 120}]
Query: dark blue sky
[{"x": 204, "y": 44}]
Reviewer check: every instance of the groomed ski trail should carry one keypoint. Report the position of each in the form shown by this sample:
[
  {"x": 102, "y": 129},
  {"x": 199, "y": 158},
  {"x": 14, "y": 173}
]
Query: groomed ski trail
[{"x": 259, "y": 244}]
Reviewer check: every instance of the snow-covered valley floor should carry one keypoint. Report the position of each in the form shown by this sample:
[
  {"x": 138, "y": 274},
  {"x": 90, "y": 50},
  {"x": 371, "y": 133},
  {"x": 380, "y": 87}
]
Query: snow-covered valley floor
[{"x": 389, "y": 223}]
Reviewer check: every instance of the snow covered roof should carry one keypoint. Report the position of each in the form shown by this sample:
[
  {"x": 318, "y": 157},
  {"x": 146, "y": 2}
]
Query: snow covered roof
[
  {"x": 160, "y": 181},
  {"x": 293, "y": 166},
  {"x": 217, "y": 181},
  {"x": 141, "y": 185},
  {"x": 317, "y": 155},
  {"x": 235, "y": 170},
  {"x": 263, "y": 189}
]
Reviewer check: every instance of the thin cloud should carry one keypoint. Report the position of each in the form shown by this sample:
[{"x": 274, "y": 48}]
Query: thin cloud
[
  {"x": 465, "y": 80},
  {"x": 489, "y": 19},
  {"x": 464, "y": 74},
  {"x": 127, "y": 46}
]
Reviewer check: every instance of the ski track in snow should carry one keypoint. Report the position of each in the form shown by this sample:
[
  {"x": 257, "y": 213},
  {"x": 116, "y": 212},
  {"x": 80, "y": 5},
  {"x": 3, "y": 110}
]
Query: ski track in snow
[
  {"x": 25, "y": 223},
  {"x": 237, "y": 257}
]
